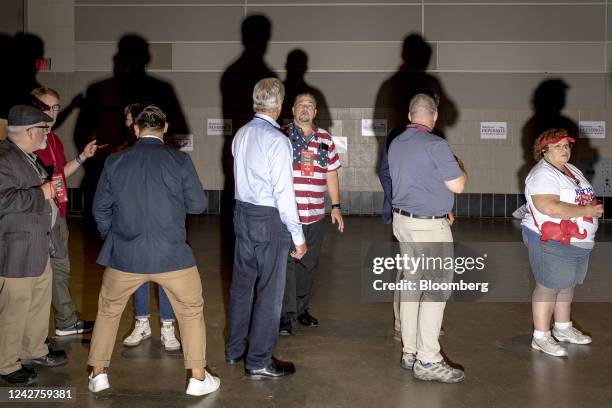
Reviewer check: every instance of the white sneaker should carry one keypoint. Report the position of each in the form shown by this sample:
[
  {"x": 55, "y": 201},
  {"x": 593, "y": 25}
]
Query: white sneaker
[
  {"x": 549, "y": 346},
  {"x": 198, "y": 388},
  {"x": 408, "y": 360},
  {"x": 439, "y": 371},
  {"x": 142, "y": 331},
  {"x": 98, "y": 383},
  {"x": 168, "y": 339},
  {"x": 571, "y": 335}
]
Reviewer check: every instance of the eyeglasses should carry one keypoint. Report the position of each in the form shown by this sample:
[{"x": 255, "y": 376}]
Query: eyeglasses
[
  {"x": 55, "y": 108},
  {"x": 39, "y": 127},
  {"x": 561, "y": 147}
]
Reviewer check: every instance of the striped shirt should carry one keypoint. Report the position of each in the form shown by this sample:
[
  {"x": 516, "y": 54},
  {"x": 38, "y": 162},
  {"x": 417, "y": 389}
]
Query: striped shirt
[{"x": 310, "y": 189}]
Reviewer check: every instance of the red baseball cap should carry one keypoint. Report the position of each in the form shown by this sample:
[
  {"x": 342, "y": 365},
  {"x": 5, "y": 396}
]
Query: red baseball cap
[{"x": 553, "y": 136}]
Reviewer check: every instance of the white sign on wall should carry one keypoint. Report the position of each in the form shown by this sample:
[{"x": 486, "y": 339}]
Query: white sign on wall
[
  {"x": 219, "y": 127},
  {"x": 592, "y": 129},
  {"x": 373, "y": 127},
  {"x": 493, "y": 130},
  {"x": 341, "y": 143},
  {"x": 183, "y": 142}
]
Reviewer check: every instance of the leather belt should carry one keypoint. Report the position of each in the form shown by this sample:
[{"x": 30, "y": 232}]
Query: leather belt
[{"x": 420, "y": 217}]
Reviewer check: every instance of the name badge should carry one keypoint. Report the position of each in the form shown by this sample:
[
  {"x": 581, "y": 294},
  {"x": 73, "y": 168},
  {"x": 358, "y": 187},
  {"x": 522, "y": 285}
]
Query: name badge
[
  {"x": 307, "y": 162},
  {"x": 61, "y": 194}
]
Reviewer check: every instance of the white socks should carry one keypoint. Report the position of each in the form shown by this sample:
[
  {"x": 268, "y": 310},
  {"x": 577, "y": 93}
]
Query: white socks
[
  {"x": 540, "y": 334},
  {"x": 563, "y": 326},
  {"x": 559, "y": 326}
]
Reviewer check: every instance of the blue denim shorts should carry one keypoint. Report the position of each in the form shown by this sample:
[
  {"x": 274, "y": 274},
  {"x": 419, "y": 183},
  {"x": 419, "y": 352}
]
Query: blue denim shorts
[{"x": 554, "y": 265}]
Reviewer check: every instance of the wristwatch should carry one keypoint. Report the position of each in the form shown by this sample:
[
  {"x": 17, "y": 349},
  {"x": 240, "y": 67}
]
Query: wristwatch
[{"x": 336, "y": 206}]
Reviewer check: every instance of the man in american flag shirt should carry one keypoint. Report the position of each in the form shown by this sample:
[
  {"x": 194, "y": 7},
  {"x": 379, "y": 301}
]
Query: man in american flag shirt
[{"x": 315, "y": 171}]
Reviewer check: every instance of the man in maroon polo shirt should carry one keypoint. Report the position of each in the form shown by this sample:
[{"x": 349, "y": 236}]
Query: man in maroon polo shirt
[{"x": 53, "y": 157}]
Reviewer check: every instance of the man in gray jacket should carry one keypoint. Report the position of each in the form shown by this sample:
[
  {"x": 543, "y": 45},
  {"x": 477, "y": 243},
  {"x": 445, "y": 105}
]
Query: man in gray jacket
[{"x": 27, "y": 215}]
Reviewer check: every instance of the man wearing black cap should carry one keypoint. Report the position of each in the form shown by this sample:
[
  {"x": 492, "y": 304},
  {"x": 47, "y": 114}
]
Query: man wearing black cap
[{"x": 27, "y": 214}]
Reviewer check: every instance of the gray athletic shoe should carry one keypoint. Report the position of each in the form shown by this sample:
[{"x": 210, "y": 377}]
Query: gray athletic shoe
[
  {"x": 571, "y": 335},
  {"x": 439, "y": 371},
  {"x": 549, "y": 346},
  {"x": 407, "y": 361}
]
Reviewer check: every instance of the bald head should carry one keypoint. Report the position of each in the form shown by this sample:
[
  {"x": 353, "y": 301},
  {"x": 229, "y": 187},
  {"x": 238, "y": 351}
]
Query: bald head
[{"x": 423, "y": 110}]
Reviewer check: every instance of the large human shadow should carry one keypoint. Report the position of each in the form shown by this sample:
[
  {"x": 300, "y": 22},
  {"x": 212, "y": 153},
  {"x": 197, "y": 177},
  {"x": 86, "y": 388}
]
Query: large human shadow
[
  {"x": 548, "y": 101},
  {"x": 236, "y": 86},
  {"x": 101, "y": 114},
  {"x": 18, "y": 69},
  {"x": 295, "y": 84},
  {"x": 395, "y": 93}
]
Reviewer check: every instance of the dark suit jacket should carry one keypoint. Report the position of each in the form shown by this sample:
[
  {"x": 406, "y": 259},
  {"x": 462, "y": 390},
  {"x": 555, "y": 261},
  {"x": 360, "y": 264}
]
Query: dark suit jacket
[
  {"x": 25, "y": 216},
  {"x": 384, "y": 176},
  {"x": 140, "y": 207}
]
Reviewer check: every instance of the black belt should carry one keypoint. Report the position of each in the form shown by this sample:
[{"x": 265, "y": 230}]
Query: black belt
[{"x": 420, "y": 217}]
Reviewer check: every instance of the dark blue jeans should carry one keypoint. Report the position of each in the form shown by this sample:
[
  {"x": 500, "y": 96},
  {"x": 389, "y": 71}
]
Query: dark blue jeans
[
  {"x": 260, "y": 262},
  {"x": 141, "y": 304}
]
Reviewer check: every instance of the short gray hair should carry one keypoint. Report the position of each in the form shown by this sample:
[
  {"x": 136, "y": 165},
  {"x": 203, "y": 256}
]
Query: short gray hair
[
  {"x": 268, "y": 95},
  {"x": 16, "y": 129},
  {"x": 423, "y": 105}
]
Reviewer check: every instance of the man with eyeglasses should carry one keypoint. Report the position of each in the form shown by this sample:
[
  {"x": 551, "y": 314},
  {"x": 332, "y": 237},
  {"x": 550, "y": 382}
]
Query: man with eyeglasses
[
  {"x": 54, "y": 159},
  {"x": 27, "y": 215}
]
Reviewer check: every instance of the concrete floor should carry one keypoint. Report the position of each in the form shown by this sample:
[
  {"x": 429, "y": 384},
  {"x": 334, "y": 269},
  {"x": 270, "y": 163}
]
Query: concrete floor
[{"x": 351, "y": 360}]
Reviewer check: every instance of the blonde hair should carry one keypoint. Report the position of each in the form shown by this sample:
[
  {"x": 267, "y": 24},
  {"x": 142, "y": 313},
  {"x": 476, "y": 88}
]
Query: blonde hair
[{"x": 44, "y": 90}]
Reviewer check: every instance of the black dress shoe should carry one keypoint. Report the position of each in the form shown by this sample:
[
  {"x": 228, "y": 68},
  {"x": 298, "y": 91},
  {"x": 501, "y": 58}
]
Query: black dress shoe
[
  {"x": 285, "y": 329},
  {"x": 276, "y": 369},
  {"x": 306, "y": 319},
  {"x": 236, "y": 360},
  {"x": 20, "y": 377},
  {"x": 52, "y": 359}
]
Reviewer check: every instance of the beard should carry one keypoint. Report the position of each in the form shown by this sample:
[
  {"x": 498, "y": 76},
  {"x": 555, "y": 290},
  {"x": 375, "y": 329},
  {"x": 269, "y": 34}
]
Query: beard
[
  {"x": 43, "y": 144},
  {"x": 305, "y": 119}
]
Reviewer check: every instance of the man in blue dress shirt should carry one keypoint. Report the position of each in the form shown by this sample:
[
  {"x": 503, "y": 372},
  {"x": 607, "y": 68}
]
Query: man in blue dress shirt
[{"x": 265, "y": 223}]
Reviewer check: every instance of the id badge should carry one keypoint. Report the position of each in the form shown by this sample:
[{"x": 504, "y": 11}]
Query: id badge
[
  {"x": 307, "y": 163},
  {"x": 61, "y": 195}
]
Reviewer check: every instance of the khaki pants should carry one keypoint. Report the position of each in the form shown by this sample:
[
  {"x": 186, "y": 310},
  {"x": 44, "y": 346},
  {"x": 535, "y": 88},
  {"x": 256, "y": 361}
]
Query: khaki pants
[
  {"x": 420, "y": 317},
  {"x": 184, "y": 289},
  {"x": 25, "y": 304}
]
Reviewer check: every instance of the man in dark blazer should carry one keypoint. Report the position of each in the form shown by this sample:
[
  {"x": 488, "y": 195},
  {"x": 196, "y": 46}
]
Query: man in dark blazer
[
  {"x": 27, "y": 214},
  {"x": 140, "y": 208}
]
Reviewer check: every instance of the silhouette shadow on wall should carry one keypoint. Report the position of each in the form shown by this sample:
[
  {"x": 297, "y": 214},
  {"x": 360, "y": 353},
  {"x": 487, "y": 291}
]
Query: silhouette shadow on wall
[
  {"x": 18, "y": 71},
  {"x": 548, "y": 102},
  {"x": 237, "y": 83},
  {"x": 101, "y": 114},
  {"x": 295, "y": 84},
  {"x": 395, "y": 93}
]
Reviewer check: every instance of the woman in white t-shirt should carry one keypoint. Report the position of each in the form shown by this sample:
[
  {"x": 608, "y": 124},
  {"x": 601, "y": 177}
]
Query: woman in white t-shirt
[{"x": 559, "y": 231}]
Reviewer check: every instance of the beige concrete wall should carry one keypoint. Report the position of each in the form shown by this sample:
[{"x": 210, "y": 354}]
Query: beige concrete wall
[{"x": 489, "y": 56}]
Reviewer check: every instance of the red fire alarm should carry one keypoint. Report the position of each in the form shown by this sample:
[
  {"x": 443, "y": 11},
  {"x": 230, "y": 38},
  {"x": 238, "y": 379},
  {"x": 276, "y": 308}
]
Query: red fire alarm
[{"x": 43, "y": 64}]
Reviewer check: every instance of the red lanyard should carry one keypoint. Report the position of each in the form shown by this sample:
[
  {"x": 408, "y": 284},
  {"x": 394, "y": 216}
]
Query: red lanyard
[{"x": 51, "y": 148}]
